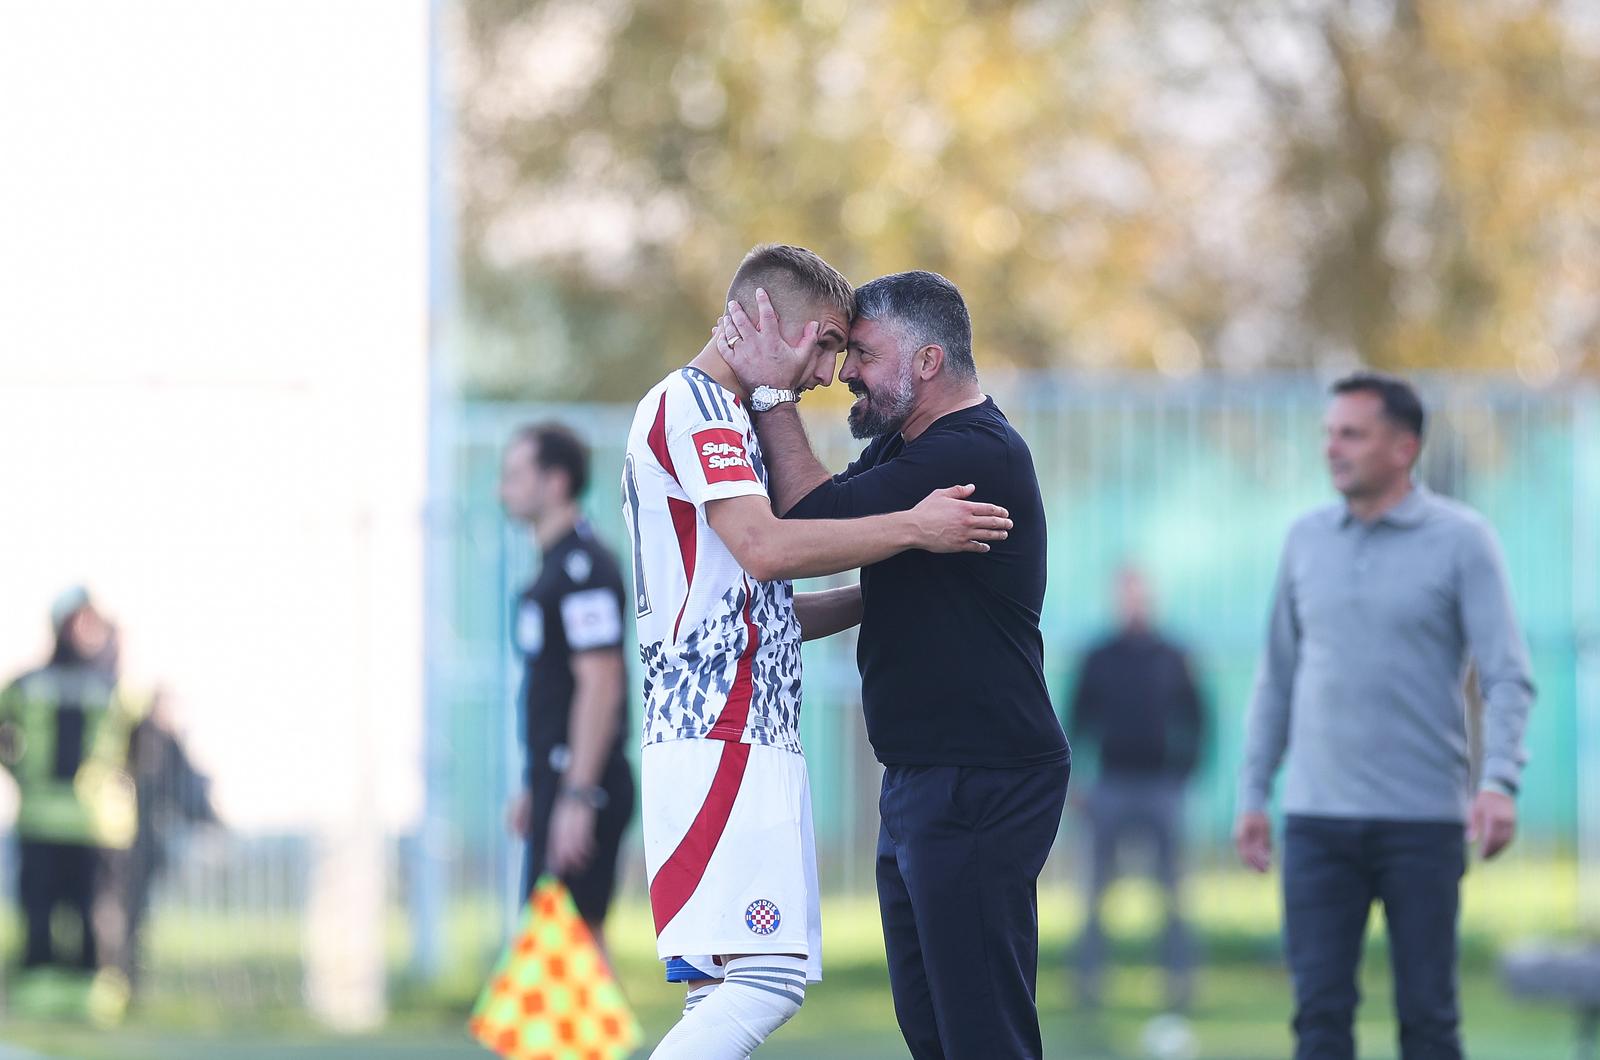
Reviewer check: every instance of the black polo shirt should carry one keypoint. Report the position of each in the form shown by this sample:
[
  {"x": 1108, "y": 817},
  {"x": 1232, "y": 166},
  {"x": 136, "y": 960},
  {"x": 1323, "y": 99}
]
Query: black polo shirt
[
  {"x": 574, "y": 605},
  {"x": 952, "y": 662}
]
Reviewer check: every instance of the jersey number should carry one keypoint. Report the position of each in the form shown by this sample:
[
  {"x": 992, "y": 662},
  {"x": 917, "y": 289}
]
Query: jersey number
[{"x": 630, "y": 512}]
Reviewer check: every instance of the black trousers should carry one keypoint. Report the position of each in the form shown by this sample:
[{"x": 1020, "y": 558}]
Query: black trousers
[
  {"x": 53, "y": 874},
  {"x": 959, "y": 855},
  {"x": 592, "y": 886},
  {"x": 1333, "y": 870}
]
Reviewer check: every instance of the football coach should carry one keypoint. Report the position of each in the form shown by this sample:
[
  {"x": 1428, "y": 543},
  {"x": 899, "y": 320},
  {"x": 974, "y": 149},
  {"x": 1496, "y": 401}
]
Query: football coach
[{"x": 951, "y": 657}]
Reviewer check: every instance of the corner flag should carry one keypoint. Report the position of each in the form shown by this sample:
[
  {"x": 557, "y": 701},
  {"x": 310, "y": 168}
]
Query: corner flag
[{"x": 552, "y": 995}]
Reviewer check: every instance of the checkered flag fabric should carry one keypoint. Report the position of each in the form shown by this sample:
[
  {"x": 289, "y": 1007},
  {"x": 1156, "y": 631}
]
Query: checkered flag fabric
[{"x": 552, "y": 995}]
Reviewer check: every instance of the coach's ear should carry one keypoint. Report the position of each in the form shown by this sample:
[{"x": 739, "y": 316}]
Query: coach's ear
[{"x": 928, "y": 361}]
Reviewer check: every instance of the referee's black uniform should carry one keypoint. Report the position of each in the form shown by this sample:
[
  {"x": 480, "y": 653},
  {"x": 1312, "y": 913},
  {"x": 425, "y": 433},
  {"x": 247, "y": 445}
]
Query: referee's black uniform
[
  {"x": 976, "y": 764},
  {"x": 575, "y": 605}
]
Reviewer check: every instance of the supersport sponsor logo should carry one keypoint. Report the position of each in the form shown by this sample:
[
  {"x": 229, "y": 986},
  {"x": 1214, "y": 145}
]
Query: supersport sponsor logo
[{"x": 723, "y": 456}]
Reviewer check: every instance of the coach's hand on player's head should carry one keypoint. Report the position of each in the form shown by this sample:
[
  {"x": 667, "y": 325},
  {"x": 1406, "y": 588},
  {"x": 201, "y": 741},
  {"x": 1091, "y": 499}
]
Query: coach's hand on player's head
[
  {"x": 757, "y": 351},
  {"x": 948, "y": 522},
  {"x": 1493, "y": 821},
  {"x": 1252, "y": 838}
]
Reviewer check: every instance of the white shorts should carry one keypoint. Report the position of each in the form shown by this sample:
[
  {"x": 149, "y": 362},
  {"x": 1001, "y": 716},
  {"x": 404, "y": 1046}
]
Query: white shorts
[{"x": 730, "y": 854}]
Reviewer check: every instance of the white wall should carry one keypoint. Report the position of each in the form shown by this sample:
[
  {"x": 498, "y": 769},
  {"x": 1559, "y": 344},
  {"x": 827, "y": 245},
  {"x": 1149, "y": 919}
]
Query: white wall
[{"x": 213, "y": 335}]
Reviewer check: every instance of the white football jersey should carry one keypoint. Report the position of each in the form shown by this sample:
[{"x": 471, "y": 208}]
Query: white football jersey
[{"x": 721, "y": 650}]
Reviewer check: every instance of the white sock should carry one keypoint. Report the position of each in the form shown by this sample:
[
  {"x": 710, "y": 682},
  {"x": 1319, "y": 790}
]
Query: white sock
[
  {"x": 697, "y": 995},
  {"x": 727, "y": 1020}
]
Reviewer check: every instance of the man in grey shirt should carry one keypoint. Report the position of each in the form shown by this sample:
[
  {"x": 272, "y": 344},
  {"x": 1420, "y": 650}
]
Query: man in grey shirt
[{"x": 1380, "y": 604}]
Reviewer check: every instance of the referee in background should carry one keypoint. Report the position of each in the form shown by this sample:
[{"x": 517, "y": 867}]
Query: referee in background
[{"x": 578, "y": 793}]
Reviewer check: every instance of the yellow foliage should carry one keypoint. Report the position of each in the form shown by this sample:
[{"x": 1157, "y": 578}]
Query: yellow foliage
[{"x": 1124, "y": 185}]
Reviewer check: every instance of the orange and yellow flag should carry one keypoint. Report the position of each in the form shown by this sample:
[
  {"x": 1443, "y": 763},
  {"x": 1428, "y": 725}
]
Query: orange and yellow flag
[{"x": 552, "y": 996}]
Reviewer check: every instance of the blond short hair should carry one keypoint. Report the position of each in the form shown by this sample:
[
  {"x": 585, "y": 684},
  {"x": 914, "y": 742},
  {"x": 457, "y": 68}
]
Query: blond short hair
[{"x": 793, "y": 278}]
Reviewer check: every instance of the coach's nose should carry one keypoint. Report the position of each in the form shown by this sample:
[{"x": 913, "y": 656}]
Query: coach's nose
[{"x": 848, "y": 370}]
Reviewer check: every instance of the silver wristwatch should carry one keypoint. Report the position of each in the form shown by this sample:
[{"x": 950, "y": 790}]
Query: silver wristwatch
[{"x": 763, "y": 398}]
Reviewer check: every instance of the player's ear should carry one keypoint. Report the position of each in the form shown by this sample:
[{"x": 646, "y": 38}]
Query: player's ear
[{"x": 928, "y": 361}]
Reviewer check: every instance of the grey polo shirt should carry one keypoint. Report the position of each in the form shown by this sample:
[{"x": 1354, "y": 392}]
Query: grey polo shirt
[{"x": 1371, "y": 630}]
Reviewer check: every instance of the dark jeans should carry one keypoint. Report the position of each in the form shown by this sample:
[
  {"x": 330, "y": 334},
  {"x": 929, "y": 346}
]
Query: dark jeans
[
  {"x": 959, "y": 855},
  {"x": 1333, "y": 870},
  {"x": 52, "y": 874}
]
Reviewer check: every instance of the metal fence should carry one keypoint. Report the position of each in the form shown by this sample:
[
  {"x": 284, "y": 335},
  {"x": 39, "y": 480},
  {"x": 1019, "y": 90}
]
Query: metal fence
[{"x": 1196, "y": 483}]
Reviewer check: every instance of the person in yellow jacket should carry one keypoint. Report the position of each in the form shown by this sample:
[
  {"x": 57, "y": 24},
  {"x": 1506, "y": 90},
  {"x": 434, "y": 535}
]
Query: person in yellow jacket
[{"x": 65, "y": 730}]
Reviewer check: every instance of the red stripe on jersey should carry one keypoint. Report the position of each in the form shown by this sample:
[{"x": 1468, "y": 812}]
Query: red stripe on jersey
[
  {"x": 658, "y": 439},
  {"x": 730, "y": 723},
  {"x": 678, "y": 877},
  {"x": 683, "y": 513},
  {"x": 685, "y": 524}
]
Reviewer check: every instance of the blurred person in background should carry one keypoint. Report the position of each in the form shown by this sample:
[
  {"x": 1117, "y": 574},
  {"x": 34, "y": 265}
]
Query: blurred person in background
[
  {"x": 729, "y": 846},
  {"x": 1136, "y": 703},
  {"x": 950, "y": 652},
  {"x": 173, "y": 795},
  {"x": 578, "y": 791},
  {"x": 65, "y": 736},
  {"x": 1381, "y": 602}
]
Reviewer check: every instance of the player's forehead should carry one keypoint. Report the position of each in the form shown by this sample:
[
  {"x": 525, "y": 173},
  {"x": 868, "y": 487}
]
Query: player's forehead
[{"x": 833, "y": 324}]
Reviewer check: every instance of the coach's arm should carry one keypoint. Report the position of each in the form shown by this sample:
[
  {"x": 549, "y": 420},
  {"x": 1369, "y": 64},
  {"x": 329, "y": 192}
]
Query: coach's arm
[{"x": 769, "y": 548}]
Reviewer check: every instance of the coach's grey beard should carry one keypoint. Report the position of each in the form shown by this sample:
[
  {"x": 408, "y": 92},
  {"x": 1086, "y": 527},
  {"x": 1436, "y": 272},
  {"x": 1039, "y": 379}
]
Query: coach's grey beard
[{"x": 886, "y": 411}]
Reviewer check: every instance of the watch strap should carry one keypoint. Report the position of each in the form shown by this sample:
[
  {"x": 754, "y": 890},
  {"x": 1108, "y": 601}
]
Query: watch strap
[{"x": 594, "y": 796}]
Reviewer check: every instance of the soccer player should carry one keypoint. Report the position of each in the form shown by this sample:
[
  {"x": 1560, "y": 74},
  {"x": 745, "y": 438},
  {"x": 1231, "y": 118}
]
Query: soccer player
[
  {"x": 578, "y": 795},
  {"x": 727, "y": 808}
]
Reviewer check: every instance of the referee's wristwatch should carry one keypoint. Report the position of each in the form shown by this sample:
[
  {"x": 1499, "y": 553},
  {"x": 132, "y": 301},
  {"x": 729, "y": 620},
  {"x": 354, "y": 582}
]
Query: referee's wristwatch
[
  {"x": 763, "y": 398},
  {"x": 595, "y": 797}
]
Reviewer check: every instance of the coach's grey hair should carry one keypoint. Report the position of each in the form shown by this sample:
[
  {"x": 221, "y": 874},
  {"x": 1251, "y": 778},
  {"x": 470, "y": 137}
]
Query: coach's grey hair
[{"x": 926, "y": 309}]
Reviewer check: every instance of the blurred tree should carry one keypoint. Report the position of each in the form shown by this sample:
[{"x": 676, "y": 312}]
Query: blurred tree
[
  {"x": 1214, "y": 184},
  {"x": 1435, "y": 176}
]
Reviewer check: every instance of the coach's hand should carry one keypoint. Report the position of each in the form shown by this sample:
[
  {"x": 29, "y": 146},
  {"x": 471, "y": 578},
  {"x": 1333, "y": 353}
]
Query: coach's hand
[
  {"x": 1252, "y": 838},
  {"x": 946, "y": 522},
  {"x": 571, "y": 836},
  {"x": 758, "y": 353},
  {"x": 1493, "y": 820}
]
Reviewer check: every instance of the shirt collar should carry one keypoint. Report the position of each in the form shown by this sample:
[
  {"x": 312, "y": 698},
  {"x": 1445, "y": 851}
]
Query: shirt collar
[
  {"x": 580, "y": 530},
  {"x": 1408, "y": 513}
]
